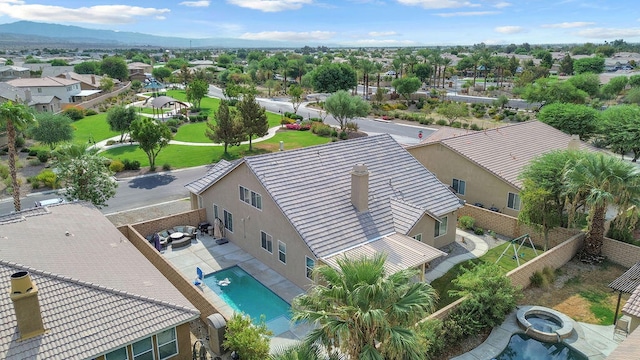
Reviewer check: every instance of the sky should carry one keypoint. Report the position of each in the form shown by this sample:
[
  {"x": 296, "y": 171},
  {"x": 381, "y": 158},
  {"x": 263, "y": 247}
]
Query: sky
[{"x": 359, "y": 23}]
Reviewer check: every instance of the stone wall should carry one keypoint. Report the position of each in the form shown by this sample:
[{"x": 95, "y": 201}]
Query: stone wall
[
  {"x": 193, "y": 218},
  {"x": 184, "y": 285},
  {"x": 97, "y": 100},
  {"x": 509, "y": 226},
  {"x": 620, "y": 252}
]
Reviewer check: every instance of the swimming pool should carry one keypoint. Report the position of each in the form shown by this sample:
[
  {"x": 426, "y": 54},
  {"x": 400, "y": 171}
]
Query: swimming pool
[
  {"x": 243, "y": 293},
  {"x": 522, "y": 347}
]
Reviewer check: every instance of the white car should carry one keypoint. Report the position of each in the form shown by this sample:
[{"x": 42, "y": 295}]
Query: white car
[{"x": 390, "y": 73}]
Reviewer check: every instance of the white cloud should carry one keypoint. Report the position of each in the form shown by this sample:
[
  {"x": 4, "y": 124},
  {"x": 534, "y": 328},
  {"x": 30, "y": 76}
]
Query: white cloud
[
  {"x": 501, "y": 5},
  {"x": 271, "y": 5},
  {"x": 381, "y": 42},
  {"x": 608, "y": 33},
  {"x": 382, "y": 33},
  {"x": 438, "y": 4},
  {"x": 509, "y": 29},
  {"x": 99, "y": 14},
  {"x": 468, "y": 13},
  {"x": 568, "y": 25},
  {"x": 289, "y": 35},
  {"x": 202, "y": 3}
]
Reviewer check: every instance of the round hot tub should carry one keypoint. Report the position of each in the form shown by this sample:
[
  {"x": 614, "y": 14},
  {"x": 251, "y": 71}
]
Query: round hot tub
[{"x": 544, "y": 324}]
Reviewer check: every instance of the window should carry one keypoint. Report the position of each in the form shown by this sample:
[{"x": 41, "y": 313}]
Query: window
[
  {"x": 39, "y": 90},
  {"x": 310, "y": 264},
  {"x": 143, "y": 349},
  {"x": 120, "y": 354},
  {"x": 266, "y": 241},
  {"x": 418, "y": 237},
  {"x": 441, "y": 227},
  {"x": 216, "y": 214},
  {"x": 256, "y": 200},
  {"x": 251, "y": 197},
  {"x": 460, "y": 186},
  {"x": 513, "y": 201},
  {"x": 228, "y": 220},
  {"x": 167, "y": 344},
  {"x": 282, "y": 252},
  {"x": 244, "y": 194}
]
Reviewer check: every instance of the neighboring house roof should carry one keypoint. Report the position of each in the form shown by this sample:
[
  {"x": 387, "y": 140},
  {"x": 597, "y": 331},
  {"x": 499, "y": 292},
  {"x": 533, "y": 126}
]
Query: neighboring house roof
[
  {"x": 506, "y": 150},
  {"x": 402, "y": 252},
  {"x": 93, "y": 80},
  {"x": 94, "y": 251},
  {"x": 12, "y": 67},
  {"x": 49, "y": 81},
  {"x": 629, "y": 281},
  {"x": 312, "y": 187},
  {"x": 83, "y": 320},
  {"x": 213, "y": 174},
  {"x": 632, "y": 306},
  {"x": 11, "y": 93},
  {"x": 442, "y": 133},
  {"x": 42, "y": 99}
]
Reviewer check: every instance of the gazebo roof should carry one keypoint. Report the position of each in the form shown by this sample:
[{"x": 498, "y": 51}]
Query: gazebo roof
[
  {"x": 161, "y": 101},
  {"x": 154, "y": 85},
  {"x": 628, "y": 281}
]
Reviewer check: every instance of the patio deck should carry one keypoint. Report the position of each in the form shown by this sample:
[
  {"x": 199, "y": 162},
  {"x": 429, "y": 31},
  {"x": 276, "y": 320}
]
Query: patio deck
[{"x": 210, "y": 257}]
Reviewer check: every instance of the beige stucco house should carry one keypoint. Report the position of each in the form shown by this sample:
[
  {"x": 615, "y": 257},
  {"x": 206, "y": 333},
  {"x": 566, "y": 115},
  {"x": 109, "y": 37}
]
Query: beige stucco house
[
  {"x": 482, "y": 167},
  {"x": 73, "y": 287},
  {"x": 295, "y": 209}
]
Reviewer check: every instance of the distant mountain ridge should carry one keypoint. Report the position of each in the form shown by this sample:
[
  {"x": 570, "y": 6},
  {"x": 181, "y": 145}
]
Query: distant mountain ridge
[{"x": 23, "y": 31}]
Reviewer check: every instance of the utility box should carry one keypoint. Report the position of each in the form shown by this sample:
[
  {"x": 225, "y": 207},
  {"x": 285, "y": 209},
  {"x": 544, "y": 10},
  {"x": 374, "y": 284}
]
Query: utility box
[{"x": 217, "y": 326}]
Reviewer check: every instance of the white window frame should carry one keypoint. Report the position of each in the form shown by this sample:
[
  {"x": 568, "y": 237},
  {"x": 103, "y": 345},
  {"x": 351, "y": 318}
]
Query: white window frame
[
  {"x": 126, "y": 353},
  {"x": 441, "y": 226},
  {"x": 245, "y": 194},
  {"x": 256, "y": 200},
  {"x": 418, "y": 237},
  {"x": 456, "y": 187},
  {"x": 175, "y": 340},
  {"x": 282, "y": 253},
  {"x": 229, "y": 225},
  {"x": 151, "y": 349},
  {"x": 266, "y": 242},
  {"x": 513, "y": 201},
  {"x": 309, "y": 270},
  {"x": 216, "y": 212}
]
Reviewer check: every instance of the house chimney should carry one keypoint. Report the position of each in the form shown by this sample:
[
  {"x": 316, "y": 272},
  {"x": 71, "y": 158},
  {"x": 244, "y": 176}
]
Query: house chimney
[
  {"x": 27, "y": 96},
  {"x": 24, "y": 295},
  {"x": 93, "y": 79},
  {"x": 574, "y": 143},
  {"x": 360, "y": 187},
  {"x": 67, "y": 75}
]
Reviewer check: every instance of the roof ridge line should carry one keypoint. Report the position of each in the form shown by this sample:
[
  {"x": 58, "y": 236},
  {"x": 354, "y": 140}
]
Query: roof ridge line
[{"x": 98, "y": 287}]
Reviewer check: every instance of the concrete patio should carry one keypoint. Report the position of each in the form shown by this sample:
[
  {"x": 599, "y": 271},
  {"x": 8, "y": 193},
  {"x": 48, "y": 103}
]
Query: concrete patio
[{"x": 211, "y": 257}]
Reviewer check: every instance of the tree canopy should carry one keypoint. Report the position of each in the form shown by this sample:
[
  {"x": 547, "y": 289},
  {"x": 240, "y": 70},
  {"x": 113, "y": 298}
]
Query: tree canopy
[
  {"x": 225, "y": 127},
  {"x": 196, "y": 90},
  {"x": 151, "y": 136},
  {"x": 253, "y": 116},
  {"x": 406, "y": 86},
  {"x": 343, "y": 107},
  {"x": 52, "y": 129},
  {"x": 115, "y": 67},
  {"x": 453, "y": 111},
  {"x": 120, "y": 119},
  {"x": 620, "y": 128},
  {"x": 590, "y": 64},
  {"x": 161, "y": 73},
  {"x": 333, "y": 77},
  {"x": 571, "y": 118}
]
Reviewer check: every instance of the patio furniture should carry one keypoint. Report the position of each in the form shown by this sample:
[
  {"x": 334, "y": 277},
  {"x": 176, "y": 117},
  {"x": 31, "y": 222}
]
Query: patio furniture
[
  {"x": 176, "y": 235},
  {"x": 182, "y": 242},
  {"x": 186, "y": 230}
]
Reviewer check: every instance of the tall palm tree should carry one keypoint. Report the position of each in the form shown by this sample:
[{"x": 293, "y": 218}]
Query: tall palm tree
[
  {"x": 14, "y": 117},
  {"x": 364, "y": 312},
  {"x": 378, "y": 67},
  {"x": 475, "y": 59},
  {"x": 367, "y": 67},
  {"x": 445, "y": 62},
  {"x": 436, "y": 60},
  {"x": 601, "y": 180}
]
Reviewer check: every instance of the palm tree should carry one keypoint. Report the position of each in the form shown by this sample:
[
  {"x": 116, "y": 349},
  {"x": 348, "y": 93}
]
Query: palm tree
[
  {"x": 378, "y": 67},
  {"x": 445, "y": 62},
  {"x": 436, "y": 60},
  {"x": 367, "y": 67},
  {"x": 601, "y": 180},
  {"x": 363, "y": 312},
  {"x": 14, "y": 117},
  {"x": 475, "y": 59}
]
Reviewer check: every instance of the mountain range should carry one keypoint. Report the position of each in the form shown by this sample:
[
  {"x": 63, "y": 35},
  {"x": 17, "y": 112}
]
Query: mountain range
[{"x": 22, "y": 33}]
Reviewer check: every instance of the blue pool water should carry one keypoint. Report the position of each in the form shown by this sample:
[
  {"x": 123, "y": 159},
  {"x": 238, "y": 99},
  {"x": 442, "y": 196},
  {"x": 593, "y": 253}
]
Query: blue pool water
[
  {"x": 243, "y": 293},
  {"x": 522, "y": 347}
]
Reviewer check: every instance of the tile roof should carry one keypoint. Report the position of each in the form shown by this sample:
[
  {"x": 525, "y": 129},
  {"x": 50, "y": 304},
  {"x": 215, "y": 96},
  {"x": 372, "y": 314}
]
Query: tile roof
[
  {"x": 628, "y": 349},
  {"x": 94, "y": 251},
  {"x": 402, "y": 252},
  {"x": 442, "y": 133},
  {"x": 48, "y": 81},
  {"x": 629, "y": 281},
  {"x": 312, "y": 188},
  {"x": 632, "y": 306},
  {"x": 213, "y": 174},
  {"x": 506, "y": 150},
  {"x": 82, "y": 320},
  {"x": 93, "y": 80}
]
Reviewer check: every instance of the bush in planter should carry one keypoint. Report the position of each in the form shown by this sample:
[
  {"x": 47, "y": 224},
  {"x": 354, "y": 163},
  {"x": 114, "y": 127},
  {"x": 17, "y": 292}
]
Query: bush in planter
[
  {"x": 74, "y": 113},
  {"x": 166, "y": 166},
  {"x": 343, "y": 135},
  {"x": 33, "y": 152},
  {"x": 334, "y": 133},
  {"x": 441, "y": 122},
  {"x": 131, "y": 165},
  {"x": 478, "y": 231},
  {"x": 90, "y": 112},
  {"x": 474, "y": 127},
  {"x": 110, "y": 142},
  {"x": 116, "y": 166},
  {"x": 48, "y": 178},
  {"x": 43, "y": 156},
  {"x": 466, "y": 222}
]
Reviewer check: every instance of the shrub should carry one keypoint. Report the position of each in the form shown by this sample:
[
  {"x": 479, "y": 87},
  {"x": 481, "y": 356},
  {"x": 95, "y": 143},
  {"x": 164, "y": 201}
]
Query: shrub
[
  {"x": 315, "y": 119},
  {"x": 43, "y": 156},
  {"x": 34, "y": 162},
  {"x": 466, "y": 222},
  {"x": 441, "y": 122},
  {"x": 166, "y": 166},
  {"x": 537, "y": 279},
  {"x": 33, "y": 152},
  {"x": 343, "y": 135},
  {"x": 432, "y": 333},
  {"x": 173, "y": 129},
  {"x": 19, "y": 141},
  {"x": 401, "y": 106},
  {"x": 90, "y": 112},
  {"x": 48, "y": 178},
  {"x": 110, "y": 142},
  {"x": 131, "y": 165},
  {"x": 478, "y": 231},
  {"x": 293, "y": 116},
  {"x": 456, "y": 124},
  {"x": 25, "y": 150},
  {"x": 74, "y": 113},
  {"x": 287, "y": 121},
  {"x": 173, "y": 122},
  {"x": 474, "y": 127},
  {"x": 4, "y": 171},
  {"x": 334, "y": 133},
  {"x": 116, "y": 166},
  {"x": 249, "y": 341}
]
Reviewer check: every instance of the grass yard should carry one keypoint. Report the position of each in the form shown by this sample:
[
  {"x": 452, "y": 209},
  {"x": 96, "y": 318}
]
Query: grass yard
[
  {"x": 93, "y": 127},
  {"x": 181, "y": 156},
  {"x": 507, "y": 263}
]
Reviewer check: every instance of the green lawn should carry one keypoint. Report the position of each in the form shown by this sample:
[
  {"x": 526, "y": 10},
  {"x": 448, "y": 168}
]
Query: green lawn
[
  {"x": 181, "y": 156},
  {"x": 92, "y": 127},
  {"x": 507, "y": 263}
]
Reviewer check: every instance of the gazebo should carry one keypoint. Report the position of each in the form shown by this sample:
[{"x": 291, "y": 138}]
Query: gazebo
[
  {"x": 162, "y": 101},
  {"x": 627, "y": 283},
  {"x": 154, "y": 85}
]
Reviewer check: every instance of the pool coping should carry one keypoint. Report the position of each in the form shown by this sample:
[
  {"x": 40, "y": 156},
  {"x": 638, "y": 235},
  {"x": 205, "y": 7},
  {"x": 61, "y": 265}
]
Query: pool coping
[{"x": 500, "y": 336}]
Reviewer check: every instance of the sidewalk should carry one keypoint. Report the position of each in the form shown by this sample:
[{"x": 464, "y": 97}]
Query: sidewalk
[{"x": 480, "y": 248}]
